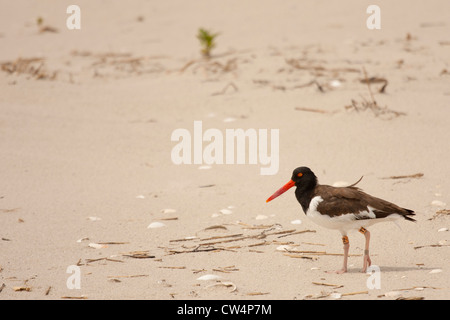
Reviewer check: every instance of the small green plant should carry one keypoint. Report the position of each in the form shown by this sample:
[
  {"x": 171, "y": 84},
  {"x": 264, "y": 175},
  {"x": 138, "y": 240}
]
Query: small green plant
[{"x": 207, "y": 41}]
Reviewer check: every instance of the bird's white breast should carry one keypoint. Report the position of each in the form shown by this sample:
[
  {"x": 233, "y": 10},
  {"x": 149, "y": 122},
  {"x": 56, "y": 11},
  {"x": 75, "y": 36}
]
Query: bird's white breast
[{"x": 343, "y": 222}]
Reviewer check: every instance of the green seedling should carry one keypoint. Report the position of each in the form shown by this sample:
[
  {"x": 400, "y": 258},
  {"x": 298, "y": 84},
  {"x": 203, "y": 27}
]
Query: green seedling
[{"x": 207, "y": 41}]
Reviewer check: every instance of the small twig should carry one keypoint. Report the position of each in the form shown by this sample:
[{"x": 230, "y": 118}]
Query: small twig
[
  {"x": 354, "y": 293},
  {"x": 296, "y": 232},
  {"x": 416, "y": 175},
  {"x": 335, "y": 286},
  {"x": 222, "y": 237},
  {"x": 129, "y": 276},
  {"x": 432, "y": 245},
  {"x": 298, "y": 256},
  {"x": 257, "y": 293},
  {"x": 99, "y": 259},
  {"x": 310, "y": 110},
  {"x": 112, "y": 242},
  {"x": 224, "y": 90}
]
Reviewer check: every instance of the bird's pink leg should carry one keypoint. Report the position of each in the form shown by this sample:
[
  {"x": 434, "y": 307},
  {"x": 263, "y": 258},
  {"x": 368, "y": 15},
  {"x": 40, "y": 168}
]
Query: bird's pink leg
[
  {"x": 366, "y": 260},
  {"x": 346, "y": 247}
]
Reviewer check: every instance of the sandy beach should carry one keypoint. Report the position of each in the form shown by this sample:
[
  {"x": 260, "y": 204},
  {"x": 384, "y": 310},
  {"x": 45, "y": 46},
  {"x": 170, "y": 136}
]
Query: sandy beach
[{"x": 92, "y": 205}]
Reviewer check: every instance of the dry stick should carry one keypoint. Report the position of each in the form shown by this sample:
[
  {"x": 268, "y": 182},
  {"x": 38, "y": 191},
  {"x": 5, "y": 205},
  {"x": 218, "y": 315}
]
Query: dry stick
[
  {"x": 415, "y": 287},
  {"x": 297, "y": 232},
  {"x": 257, "y": 293},
  {"x": 224, "y": 90},
  {"x": 310, "y": 110},
  {"x": 223, "y": 241},
  {"x": 377, "y": 80},
  {"x": 353, "y": 293},
  {"x": 336, "y": 286},
  {"x": 432, "y": 245},
  {"x": 130, "y": 276},
  {"x": 259, "y": 244},
  {"x": 298, "y": 256},
  {"x": 105, "y": 258},
  {"x": 180, "y": 240},
  {"x": 222, "y": 237},
  {"x": 169, "y": 219},
  {"x": 368, "y": 86},
  {"x": 322, "y": 253},
  {"x": 314, "y": 244},
  {"x": 258, "y": 236},
  {"x": 416, "y": 175},
  {"x": 197, "y": 249},
  {"x": 187, "y": 65},
  {"x": 112, "y": 242}
]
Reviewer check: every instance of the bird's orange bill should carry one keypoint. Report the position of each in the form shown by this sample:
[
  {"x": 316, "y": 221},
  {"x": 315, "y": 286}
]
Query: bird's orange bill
[{"x": 282, "y": 190}]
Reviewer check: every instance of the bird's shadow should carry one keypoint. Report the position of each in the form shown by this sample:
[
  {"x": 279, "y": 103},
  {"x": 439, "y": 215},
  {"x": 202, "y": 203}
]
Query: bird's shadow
[{"x": 389, "y": 269}]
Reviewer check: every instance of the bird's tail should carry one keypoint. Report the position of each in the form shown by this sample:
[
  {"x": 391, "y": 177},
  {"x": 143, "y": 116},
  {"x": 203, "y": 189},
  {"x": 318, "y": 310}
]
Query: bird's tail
[{"x": 409, "y": 213}]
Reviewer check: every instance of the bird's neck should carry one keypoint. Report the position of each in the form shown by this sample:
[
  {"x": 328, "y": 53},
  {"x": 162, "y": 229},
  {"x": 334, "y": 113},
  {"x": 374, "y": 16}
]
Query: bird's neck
[{"x": 304, "y": 195}]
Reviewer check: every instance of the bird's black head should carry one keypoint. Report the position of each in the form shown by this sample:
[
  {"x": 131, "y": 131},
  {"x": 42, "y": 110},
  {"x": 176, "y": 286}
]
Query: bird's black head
[{"x": 303, "y": 178}]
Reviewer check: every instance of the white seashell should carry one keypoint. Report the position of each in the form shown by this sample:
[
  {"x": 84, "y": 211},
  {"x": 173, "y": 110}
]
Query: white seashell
[
  {"x": 335, "y": 295},
  {"x": 204, "y": 167},
  {"x": 261, "y": 217},
  {"x": 443, "y": 229},
  {"x": 435, "y": 271},
  {"x": 141, "y": 196},
  {"x": 419, "y": 289},
  {"x": 392, "y": 294},
  {"x": 82, "y": 239},
  {"x": 97, "y": 246},
  {"x": 94, "y": 218},
  {"x": 207, "y": 277},
  {"x": 438, "y": 203},
  {"x": 339, "y": 184},
  {"x": 231, "y": 207},
  {"x": 155, "y": 225},
  {"x": 284, "y": 247},
  {"x": 226, "y": 211},
  {"x": 168, "y": 211},
  {"x": 229, "y": 119},
  {"x": 190, "y": 237},
  {"x": 215, "y": 215},
  {"x": 315, "y": 268},
  {"x": 335, "y": 83},
  {"x": 296, "y": 221}
]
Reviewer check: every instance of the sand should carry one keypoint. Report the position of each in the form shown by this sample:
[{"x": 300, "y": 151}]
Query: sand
[{"x": 85, "y": 159}]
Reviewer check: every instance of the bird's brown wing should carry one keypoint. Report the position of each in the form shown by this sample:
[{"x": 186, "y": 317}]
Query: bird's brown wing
[{"x": 352, "y": 200}]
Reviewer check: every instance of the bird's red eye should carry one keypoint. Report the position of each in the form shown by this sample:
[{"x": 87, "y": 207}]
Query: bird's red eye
[{"x": 300, "y": 174}]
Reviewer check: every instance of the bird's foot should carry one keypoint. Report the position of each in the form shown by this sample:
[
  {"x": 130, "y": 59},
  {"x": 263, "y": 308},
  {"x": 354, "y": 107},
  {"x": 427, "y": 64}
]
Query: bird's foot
[{"x": 366, "y": 263}]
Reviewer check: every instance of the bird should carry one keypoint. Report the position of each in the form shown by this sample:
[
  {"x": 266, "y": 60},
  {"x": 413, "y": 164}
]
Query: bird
[{"x": 342, "y": 208}]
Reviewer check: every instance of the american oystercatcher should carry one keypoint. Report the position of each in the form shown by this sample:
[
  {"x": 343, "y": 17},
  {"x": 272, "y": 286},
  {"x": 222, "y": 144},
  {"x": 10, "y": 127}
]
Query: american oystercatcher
[{"x": 341, "y": 208}]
